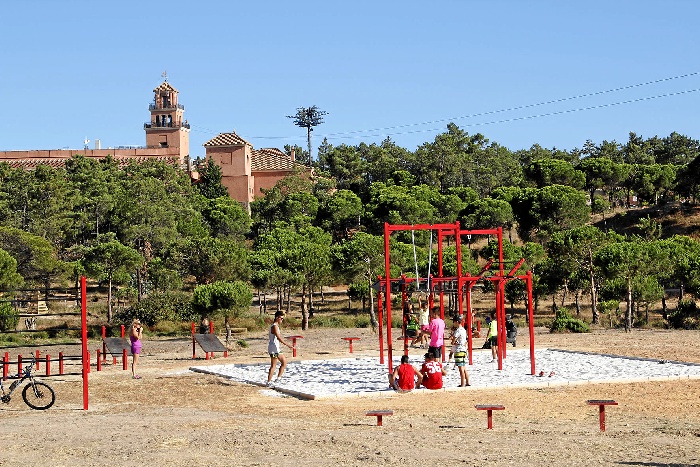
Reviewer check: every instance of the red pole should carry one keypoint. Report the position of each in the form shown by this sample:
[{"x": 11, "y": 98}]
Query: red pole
[
  {"x": 19, "y": 364},
  {"x": 380, "y": 312},
  {"x": 122, "y": 331},
  {"x": 387, "y": 266},
  {"x": 531, "y": 319},
  {"x": 86, "y": 354},
  {"x": 404, "y": 321},
  {"x": 601, "y": 416},
  {"x": 60, "y": 363},
  {"x": 125, "y": 364},
  {"x": 5, "y": 365},
  {"x": 37, "y": 361},
  {"x": 48, "y": 365},
  {"x": 211, "y": 326},
  {"x": 470, "y": 324}
]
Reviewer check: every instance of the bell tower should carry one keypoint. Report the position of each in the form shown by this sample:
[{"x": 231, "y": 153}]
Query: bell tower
[{"x": 167, "y": 128}]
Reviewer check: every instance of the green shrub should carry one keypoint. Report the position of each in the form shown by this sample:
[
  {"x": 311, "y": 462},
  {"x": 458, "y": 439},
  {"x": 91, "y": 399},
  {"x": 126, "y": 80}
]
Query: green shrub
[
  {"x": 242, "y": 343},
  {"x": 9, "y": 317},
  {"x": 222, "y": 298},
  {"x": 162, "y": 306},
  {"x": 686, "y": 317},
  {"x": 563, "y": 321}
]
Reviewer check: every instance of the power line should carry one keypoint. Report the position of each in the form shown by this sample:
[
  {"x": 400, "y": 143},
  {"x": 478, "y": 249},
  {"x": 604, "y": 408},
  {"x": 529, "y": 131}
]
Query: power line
[
  {"x": 529, "y": 117},
  {"x": 521, "y": 107},
  {"x": 354, "y": 134}
]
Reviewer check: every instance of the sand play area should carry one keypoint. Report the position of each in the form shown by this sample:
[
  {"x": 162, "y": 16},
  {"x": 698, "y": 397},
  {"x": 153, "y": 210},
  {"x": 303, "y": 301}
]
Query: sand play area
[{"x": 221, "y": 414}]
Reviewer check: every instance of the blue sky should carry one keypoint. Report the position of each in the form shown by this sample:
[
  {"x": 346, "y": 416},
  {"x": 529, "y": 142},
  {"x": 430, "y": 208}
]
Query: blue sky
[{"x": 73, "y": 69}]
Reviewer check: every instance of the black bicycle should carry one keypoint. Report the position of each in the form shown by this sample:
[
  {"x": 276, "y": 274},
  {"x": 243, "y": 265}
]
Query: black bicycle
[{"x": 37, "y": 394}]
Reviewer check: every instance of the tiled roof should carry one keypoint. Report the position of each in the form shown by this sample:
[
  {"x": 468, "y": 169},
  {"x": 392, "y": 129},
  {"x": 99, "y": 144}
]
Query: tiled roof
[
  {"x": 227, "y": 139},
  {"x": 165, "y": 86},
  {"x": 32, "y": 163},
  {"x": 270, "y": 159}
]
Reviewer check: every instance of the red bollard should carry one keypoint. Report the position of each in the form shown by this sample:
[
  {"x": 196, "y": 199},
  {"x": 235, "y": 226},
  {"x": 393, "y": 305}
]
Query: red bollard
[
  {"x": 48, "y": 365},
  {"x": 37, "y": 361},
  {"x": 19, "y": 364},
  {"x": 122, "y": 331},
  {"x": 125, "y": 365},
  {"x": 211, "y": 327},
  {"x": 5, "y": 365},
  {"x": 60, "y": 363},
  {"x": 99, "y": 361}
]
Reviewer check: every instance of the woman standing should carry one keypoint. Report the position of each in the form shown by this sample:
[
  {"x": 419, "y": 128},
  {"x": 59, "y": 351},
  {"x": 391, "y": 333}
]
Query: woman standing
[
  {"x": 273, "y": 348},
  {"x": 135, "y": 335}
]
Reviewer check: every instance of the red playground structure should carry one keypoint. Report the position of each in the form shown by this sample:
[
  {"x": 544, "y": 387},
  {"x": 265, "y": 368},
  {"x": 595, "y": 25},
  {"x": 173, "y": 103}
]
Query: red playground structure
[{"x": 436, "y": 285}]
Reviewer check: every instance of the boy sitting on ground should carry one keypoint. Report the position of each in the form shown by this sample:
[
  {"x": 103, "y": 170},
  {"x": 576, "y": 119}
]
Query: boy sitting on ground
[{"x": 403, "y": 379}]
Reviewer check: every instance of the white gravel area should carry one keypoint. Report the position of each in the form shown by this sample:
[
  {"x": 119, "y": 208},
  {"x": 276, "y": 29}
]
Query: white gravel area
[{"x": 363, "y": 376}]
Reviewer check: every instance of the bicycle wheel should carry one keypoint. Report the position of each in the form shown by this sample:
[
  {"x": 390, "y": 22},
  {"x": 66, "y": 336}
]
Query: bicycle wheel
[{"x": 38, "y": 395}]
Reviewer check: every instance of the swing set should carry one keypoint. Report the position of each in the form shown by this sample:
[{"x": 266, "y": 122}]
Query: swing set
[{"x": 438, "y": 284}]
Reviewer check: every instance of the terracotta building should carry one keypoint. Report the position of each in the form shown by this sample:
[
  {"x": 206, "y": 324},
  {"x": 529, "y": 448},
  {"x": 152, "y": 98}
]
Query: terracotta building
[{"x": 245, "y": 170}]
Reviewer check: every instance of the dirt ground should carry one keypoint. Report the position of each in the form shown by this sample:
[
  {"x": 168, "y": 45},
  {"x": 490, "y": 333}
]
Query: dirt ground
[{"x": 175, "y": 417}]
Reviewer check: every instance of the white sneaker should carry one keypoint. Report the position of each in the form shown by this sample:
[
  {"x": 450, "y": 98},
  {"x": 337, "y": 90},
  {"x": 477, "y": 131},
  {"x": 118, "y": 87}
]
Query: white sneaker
[{"x": 270, "y": 384}]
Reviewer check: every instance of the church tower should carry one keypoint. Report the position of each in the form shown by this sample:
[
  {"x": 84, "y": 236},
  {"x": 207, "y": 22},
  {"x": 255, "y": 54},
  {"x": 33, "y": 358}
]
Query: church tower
[{"x": 167, "y": 129}]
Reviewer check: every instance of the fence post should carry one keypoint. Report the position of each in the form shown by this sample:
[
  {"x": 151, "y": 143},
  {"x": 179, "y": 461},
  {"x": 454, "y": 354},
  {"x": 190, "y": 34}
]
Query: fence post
[
  {"x": 5, "y": 365},
  {"x": 37, "y": 360},
  {"x": 19, "y": 364},
  {"x": 48, "y": 365},
  {"x": 124, "y": 362}
]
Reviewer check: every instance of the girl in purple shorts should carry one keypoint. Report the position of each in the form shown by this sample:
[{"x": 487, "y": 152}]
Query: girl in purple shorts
[{"x": 135, "y": 334}]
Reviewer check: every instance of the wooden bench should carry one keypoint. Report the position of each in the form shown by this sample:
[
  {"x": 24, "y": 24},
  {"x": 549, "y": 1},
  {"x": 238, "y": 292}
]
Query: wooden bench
[
  {"x": 350, "y": 339},
  {"x": 379, "y": 414},
  {"x": 489, "y": 413},
  {"x": 601, "y": 409}
]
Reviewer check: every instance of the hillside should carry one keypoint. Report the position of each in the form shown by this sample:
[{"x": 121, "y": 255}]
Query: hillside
[{"x": 676, "y": 219}]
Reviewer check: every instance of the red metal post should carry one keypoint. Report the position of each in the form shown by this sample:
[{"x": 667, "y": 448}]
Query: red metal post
[
  {"x": 387, "y": 266},
  {"x": 123, "y": 331},
  {"x": 125, "y": 364},
  {"x": 19, "y": 364},
  {"x": 48, "y": 365},
  {"x": 531, "y": 320},
  {"x": 211, "y": 326},
  {"x": 36, "y": 367},
  {"x": 380, "y": 313},
  {"x": 5, "y": 365}
]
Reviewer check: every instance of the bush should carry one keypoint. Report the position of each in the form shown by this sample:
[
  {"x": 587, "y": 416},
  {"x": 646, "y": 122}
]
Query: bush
[
  {"x": 163, "y": 306},
  {"x": 686, "y": 317},
  {"x": 212, "y": 299},
  {"x": 563, "y": 321},
  {"x": 9, "y": 317}
]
